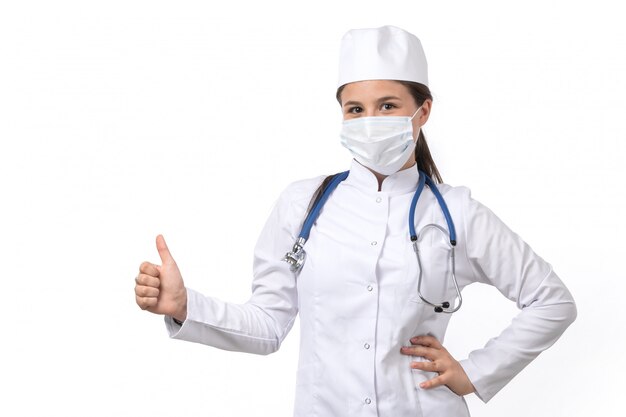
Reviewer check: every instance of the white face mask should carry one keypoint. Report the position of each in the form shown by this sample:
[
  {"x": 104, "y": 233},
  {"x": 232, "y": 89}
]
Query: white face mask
[{"x": 381, "y": 143}]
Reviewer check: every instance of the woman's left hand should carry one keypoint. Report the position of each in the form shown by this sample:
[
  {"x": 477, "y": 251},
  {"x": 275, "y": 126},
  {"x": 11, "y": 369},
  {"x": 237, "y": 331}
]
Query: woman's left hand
[{"x": 450, "y": 371}]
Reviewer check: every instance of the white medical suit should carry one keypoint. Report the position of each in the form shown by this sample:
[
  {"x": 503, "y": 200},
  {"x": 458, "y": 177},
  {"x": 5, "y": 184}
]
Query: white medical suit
[{"x": 358, "y": 303}]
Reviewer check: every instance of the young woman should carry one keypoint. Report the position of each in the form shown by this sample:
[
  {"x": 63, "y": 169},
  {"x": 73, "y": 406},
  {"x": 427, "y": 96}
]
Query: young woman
[{"x": 381, "y": 255}]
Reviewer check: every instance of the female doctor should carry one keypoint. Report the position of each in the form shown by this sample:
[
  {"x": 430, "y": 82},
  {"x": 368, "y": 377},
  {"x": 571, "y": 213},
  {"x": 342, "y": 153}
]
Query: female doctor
[{"x": 377, "y": 269}]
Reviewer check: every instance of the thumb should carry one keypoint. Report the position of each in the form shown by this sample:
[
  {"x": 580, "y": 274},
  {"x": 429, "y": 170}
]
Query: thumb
[{"x": 164, "y": 252}]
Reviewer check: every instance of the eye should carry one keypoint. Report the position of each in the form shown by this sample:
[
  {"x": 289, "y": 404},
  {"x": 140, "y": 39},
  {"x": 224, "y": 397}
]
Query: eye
[
  {"x": 355, "y": 109},
  {"x": 388, "y": 106}
]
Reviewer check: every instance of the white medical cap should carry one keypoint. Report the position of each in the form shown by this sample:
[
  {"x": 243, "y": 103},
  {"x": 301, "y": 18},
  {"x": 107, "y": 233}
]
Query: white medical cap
[{"x": 384, "y": 53}]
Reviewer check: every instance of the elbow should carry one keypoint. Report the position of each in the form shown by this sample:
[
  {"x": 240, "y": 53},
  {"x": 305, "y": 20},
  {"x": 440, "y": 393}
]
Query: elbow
[
  {"x": 274, "y": 330},
  {"x": 269, "y": 349},
  {"x": 564, "y": 315},
  {"x": 572, "y": 313},
  {"x": 273, "y": 344}
]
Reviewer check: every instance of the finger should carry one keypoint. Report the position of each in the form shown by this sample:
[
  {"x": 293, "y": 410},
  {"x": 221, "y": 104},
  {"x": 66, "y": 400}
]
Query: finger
[
  {"x": 428, "y": 366},
  {"x": 149, "y": 268},
  {"x": 426, "y": 341},
  {"x": 164, "y": 252},
  {"x": 426, "y": 352},
  {"x": 432, "y": 383},
  {"x": 148, "y": 281},
  {"x": 144, "y": 291},
  {"x": 146, "y": 302}
]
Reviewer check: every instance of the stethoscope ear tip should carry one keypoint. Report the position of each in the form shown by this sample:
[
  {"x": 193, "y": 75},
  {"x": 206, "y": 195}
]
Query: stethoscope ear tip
[
  {"x": 439, "y": 309},
  {"x": 444, "y": 307}
]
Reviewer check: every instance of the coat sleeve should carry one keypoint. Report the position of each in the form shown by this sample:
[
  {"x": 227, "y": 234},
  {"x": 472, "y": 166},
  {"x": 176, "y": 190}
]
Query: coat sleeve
[
  {"x": 499, "y": 257},
  {"x": 259, "y": 325}
]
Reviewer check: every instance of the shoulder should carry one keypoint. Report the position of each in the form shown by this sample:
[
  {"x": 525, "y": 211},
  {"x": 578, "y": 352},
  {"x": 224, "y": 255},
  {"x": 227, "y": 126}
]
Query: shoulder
[
  {"x": 477, "y": 220},
  {"x": 464, "y": 206},
  {"x": 292, "y": 203},
  {"x": 455, "y": 195},
  {"x": 294, "y": 199},
  {"x": 302, "y": 189}
]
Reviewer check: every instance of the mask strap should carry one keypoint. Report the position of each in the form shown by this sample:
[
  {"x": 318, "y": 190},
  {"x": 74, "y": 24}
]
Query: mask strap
[{"x": 418, "y": 109}]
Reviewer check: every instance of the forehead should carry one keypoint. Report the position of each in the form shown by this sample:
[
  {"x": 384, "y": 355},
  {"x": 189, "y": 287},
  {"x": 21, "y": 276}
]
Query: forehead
[{"x": 372, "y": 90}]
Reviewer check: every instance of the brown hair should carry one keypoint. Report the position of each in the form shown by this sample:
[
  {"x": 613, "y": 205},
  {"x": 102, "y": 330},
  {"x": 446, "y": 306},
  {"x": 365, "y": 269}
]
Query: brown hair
[{"x": 424, "y": 159}]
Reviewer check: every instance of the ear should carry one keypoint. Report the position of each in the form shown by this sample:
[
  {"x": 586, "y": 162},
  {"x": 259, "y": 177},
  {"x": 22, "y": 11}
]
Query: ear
[{"x": 424, "y": 114}]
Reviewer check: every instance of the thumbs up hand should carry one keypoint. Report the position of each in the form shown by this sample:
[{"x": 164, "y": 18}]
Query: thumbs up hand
[{"x": 160, "y": 288}]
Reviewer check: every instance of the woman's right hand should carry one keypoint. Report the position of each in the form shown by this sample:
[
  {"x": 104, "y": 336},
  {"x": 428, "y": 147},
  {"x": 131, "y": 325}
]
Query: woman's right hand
[{"x": 160, "y": 288}]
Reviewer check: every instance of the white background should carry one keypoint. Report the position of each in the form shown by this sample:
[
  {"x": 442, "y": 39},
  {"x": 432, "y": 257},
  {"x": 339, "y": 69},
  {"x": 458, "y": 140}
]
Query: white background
[{"x": 121, "y": 120}]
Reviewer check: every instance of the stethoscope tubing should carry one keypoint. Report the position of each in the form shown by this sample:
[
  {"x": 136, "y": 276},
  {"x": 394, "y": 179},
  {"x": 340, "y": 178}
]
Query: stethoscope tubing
[
  {"x": 315, "y": 212},
  {"x": 444, "y": 306},
  {"x": 425, "y": 179},
  {"x": 297, "y": 256}
]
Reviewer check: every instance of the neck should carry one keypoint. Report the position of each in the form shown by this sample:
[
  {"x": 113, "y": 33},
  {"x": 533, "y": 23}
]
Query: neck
[{"x": 380, "y": 177}]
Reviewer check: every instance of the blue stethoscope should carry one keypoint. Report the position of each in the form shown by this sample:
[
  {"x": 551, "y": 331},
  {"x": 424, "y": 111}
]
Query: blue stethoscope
[{"x": 296, "y": 257}]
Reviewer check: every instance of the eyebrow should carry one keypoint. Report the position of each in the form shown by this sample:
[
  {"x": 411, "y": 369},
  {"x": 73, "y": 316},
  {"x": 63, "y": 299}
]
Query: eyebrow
[
  {"x": 387, "y": 98},
  {"x": 380, "y": 100}
]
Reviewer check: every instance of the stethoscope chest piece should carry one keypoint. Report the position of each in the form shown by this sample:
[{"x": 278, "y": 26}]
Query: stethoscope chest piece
[{"x": 296, "y": 257}]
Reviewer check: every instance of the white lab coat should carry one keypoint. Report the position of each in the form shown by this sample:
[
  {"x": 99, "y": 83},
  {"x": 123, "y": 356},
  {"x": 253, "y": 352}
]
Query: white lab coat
[{"x": 356, "y": 296}]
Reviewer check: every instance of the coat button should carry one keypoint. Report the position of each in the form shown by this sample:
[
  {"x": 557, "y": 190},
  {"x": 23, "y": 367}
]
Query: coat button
[
  {"x": 374, "y": 243},
  {"x": 378, "y": 200},
  {"x": 370, "y": 288},
  {"x": 368, "y": 401},
  {"x": 366, "y": 346}
]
